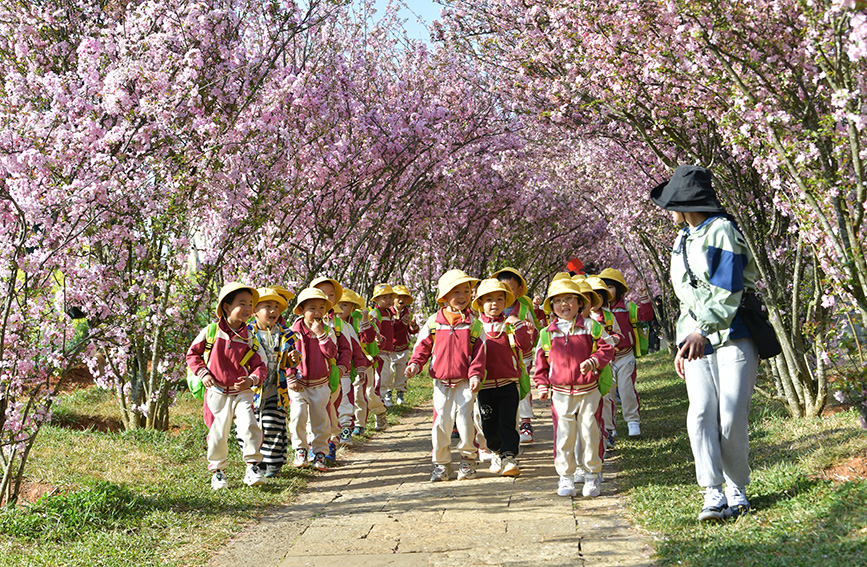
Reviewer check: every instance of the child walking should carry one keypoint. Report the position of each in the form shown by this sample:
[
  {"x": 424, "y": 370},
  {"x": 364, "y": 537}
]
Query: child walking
[
  {"x": 506, "y": 341},
  {"x": 628, "y": 349},
  {"x": 404, "y": 327},
  {"x": 358, "y": 331},
  {"x": 224, "y": 355},
  {"x": 383, "y": 300},
  {"x": 453, "y": 340},
  {"x": 571, "y": 351},
  {"x": 309, "y": 390},
  {"x": 605, "y": 317}
]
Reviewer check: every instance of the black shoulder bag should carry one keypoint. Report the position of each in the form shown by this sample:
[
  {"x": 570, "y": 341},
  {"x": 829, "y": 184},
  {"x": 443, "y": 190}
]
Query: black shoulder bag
[{"x": 751, "y": 311}]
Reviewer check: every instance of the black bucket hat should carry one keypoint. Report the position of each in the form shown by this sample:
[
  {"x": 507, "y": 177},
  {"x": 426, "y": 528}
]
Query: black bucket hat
[{"x": 688, "y": 191}]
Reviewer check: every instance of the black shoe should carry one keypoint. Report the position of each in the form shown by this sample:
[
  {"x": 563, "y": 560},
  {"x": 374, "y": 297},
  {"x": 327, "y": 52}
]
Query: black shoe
[
  {"x": 713, "y": 513},
  {"x": 738, "y": 510}
]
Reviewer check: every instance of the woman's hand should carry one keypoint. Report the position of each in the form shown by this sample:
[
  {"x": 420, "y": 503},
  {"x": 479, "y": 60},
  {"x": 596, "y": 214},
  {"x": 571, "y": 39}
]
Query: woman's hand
[
  {"x": 691, "y": 349},
  {"x": 511, "y": 319}
]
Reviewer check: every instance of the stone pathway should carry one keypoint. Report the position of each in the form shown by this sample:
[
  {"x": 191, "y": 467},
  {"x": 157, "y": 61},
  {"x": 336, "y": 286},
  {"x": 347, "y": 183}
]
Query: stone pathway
[{"x": 380, "y": 509}]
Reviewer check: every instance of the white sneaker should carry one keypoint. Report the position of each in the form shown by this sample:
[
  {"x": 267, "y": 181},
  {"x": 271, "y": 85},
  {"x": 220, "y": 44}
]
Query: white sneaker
[
  {"x": 398, "y": 399},
  {"x": 510, "y": 467},
  {"x": 386, "y": 400},
  {"x": 300, "y": 460},
  {"x": 591, "y": 487},
  {"x": 715, "y": 505},
  {"x": 253, "y": 476},
  {"x": 439, "y": 473},
  {"x": 218, "y": 481},
  {"x": 634, "y": 428},
  {"x": 467, "y": 471},
  {"x": 485, "y": 455},
  {"x": 578, "y": 475},
  {"x": 566, "y": 487},
  {"x": 737, "y": 501},
  {"x": 496, "y": 464}
]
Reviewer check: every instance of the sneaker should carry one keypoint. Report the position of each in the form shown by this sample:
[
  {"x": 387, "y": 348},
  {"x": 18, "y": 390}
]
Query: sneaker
[
  {"x": 736, "y": 497},
  {"x": 591, "y": 487},
  {"x": 467, "y": 470},
  {"x": 357, "y": 431},
  {"x": 566, "y": 487},
  {"x": 485, "y": 455},
  {"x": 715, "y": 505},
  {"x": 319, "y": 462},
  {"x": 300, "y": 460},
  {"x": 634, "y": 428},
  {"x": 609, "y": 441},
  {"x": 496, "y": 464},
  {"x": 526, "y": 432},
  {"x": 579, "y": 475},
  {"x": 331, "y": 457},
  {"x": 218, "y": 481},
  {"x": 386, "y": 400},
  {"x": 272, "y": 470},
  {"x": 510, "y": 466},
  {"x": 439, "y": 473},
  {"x": 346, "y": 437},
  {"x": 253, "y": 476},
  {"x": 399, "y": 399},
  {"x": 455, "y": 433},
  {"x": 381, "y": 422}
]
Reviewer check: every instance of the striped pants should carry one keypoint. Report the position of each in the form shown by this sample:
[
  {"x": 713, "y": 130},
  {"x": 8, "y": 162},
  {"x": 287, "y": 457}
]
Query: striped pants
[{"x": 272, "y": 420}]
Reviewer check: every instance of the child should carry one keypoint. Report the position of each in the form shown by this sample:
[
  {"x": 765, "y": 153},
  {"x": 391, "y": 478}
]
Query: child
[
  {"x": 507, "y": 339},
  {"x": 383, "y": 300},
  {"x": 454, "y": 342},
  {"x": 271, "y": 399},
  {"x": 571, "y": 351},
  {"x": 309, "y": 390},
  {"x": 364, "y": 385},
  {"x": 628, "y": 316},
  {"x": 523, "y": 309},
  {"x": 354, "y": 383},
  {"x": 404, "y": 326},
  {"x": 603, "y": 316},
  {"x": 224, "y": 355},
  {"x": 333, "y": 291}
]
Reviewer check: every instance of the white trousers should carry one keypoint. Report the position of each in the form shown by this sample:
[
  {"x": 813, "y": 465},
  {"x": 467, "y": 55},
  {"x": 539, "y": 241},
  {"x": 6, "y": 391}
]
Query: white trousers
[
  {"x": 385, "y": 373},
  {"x": 720, "y": 387},
  {"x": 624, "y": 377},
  {"x": 453, "y": 406},
  {"x": 226, "y": 409},
  {"x": 311, "y": 404},
  {"x": 346, "y": 409},
  {"x": 574, "y": 416},
  {"x": 399, "y": 362}
]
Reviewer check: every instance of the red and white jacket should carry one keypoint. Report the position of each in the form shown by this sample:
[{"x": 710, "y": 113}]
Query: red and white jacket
[
  {"x": 366, "y": 334},
  {"x": 344, "y": 349},
  {"x": 621, "y": 313},
  {"x": 571, "y": 344},
  {"x": 315, "y": 356},
  {"x": 385, "y": 328},
  {"x": 453, "y": 357},
  {"x": 224, "y": 360},
  {"x": 402, "y": 331},
  {"x": 501, "y": 363}
]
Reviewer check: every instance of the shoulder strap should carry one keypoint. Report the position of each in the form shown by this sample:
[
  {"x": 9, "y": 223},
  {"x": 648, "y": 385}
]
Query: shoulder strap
[
  {"x": 338, "y": 325},
  {"x": 210, "y": 337},
  {"x": 545, "y": 341},
  {"x": 596, "y": 330},
  {"x": 633, "y": 313},
  {"x": 476, "y": 331}
]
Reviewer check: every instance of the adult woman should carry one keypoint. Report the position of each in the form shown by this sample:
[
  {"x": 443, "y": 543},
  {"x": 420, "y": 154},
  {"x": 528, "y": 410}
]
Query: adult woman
[{"x": 711, "y": 269}]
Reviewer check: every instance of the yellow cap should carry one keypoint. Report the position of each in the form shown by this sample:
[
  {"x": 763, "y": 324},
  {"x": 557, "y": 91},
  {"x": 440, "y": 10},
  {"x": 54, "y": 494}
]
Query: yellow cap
[
  {"x": 229, "y": 288},
  {"x": 338, "y": 289},
  {"x": 523, "y": 289},
  {"x": 270, "y": 294},
  {"x": 588, "y": 292},
  {"x": 350, "y": 296},
  {"x": 490, "y": 286},
  {"x": 403, "y": 290},
  {"x": 312, "y": 293},
  {"x": 599, "y": 287},
  {"x": 284, "y": 293},
  {"x": 380, "y": 290},
  {"x": 450, "y": 280},
  {"x": 561, "y": 287},
  {"x": 615, "y": 275}
]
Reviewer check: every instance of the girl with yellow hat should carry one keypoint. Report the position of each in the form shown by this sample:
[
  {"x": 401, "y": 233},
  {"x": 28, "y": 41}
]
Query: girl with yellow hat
[
  {"x": 225, "y": 356},
  {"x": 404, "y": 328},
  {"x": 602, "y": 315},
  {"x": 628, "y": 315},
  {"x": 383, "y": 300}
]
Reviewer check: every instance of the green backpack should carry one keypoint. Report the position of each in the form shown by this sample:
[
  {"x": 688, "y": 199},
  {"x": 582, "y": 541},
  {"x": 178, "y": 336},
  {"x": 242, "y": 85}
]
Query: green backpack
[
  {"x": 194, "y": 382},
  {"x": 606, "y": 379}
]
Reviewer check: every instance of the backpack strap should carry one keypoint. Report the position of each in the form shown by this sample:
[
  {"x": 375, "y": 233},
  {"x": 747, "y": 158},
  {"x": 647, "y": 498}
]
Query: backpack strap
[
  {"x": 475, "y": 331},
  {"x": 338, "y": 325},
  {"x": 545, "y": 341},
  {"x": 210, "y": 337},
  {"x": 633, "y": 313}
]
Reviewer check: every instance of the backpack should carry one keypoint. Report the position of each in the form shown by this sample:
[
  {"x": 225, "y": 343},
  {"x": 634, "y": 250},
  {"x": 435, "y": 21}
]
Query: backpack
[
  {"x": 194, "y": 382},
  {"x": 640, "y": 328},
  {"x": 476, "y": 331},
  {"x": 524, "y": 380},
  {"x": 606, "y": 379}
]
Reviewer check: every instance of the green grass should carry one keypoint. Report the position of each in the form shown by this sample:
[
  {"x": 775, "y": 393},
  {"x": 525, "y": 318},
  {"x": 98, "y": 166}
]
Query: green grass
[
  {"x": 799, "y": 518},
  {"x": 138, "y": 498}
]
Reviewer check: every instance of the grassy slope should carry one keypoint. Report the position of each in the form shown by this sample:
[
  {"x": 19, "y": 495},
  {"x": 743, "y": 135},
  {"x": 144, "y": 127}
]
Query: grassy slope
[
  {"x": 174, "y": 518},
  {"x": 799, "y": 519}
]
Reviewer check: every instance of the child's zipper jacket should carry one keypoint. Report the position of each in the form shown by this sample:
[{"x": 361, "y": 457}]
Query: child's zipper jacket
[
  {"x": 224, "y": 361},
  {"x": 316, "y": 355},
  {"x": 453, "y": 353},
  {"x": 571, "y": 344},
  {"x": 502, "y": 365}
]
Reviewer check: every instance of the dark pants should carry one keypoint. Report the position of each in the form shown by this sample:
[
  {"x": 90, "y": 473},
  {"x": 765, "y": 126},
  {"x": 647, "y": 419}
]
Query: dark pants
[{"x": 499, "y": 409}]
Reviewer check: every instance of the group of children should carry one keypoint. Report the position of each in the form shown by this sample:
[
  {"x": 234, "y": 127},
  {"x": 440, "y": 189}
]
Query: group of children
[
  {"x": 324, "y": 372},
  {"x": 338, "y": 362}
]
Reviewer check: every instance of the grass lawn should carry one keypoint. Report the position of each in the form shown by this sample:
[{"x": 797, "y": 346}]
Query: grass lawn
[
  {"x": 139, "y": 498},
  {"x": 799, "y": 517}
]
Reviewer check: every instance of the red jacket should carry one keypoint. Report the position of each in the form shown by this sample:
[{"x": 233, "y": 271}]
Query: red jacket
[
  {"x": 344, "y": 349},
  {"x": 621, "y": 313},
  {"x": 224, "y": 360},
  {"x": 366, "y": 334},
  {"x": 315, "y": 356},
  {"x": 613, "y": 330},
  {"x": 501, "y": 364},
  {"x": 402, "y": 331},
  {"x": 385, "y": 327},
  {"x": 453, "y": 356},
  {"x": 559, "y": 369}
]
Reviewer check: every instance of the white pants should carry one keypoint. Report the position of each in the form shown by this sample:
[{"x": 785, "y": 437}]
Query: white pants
[
  {"x": 576, "y": 416},
  {"x": 334, "y": 401},
  {"x": 609, "y": 409},
  {"x": 385, "y": 373},
  {"x": 453, "y": 406},
  {"x": 399, "y": 362},
  {"x": 226, "y": 409},
  {"x": 311, "y": 404},
  {"x": 525, "y": 406},
  {"x": 720, "y": 387},
  {"x": 624, "y": 377},
  {"x": 346, "y": 408}
]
